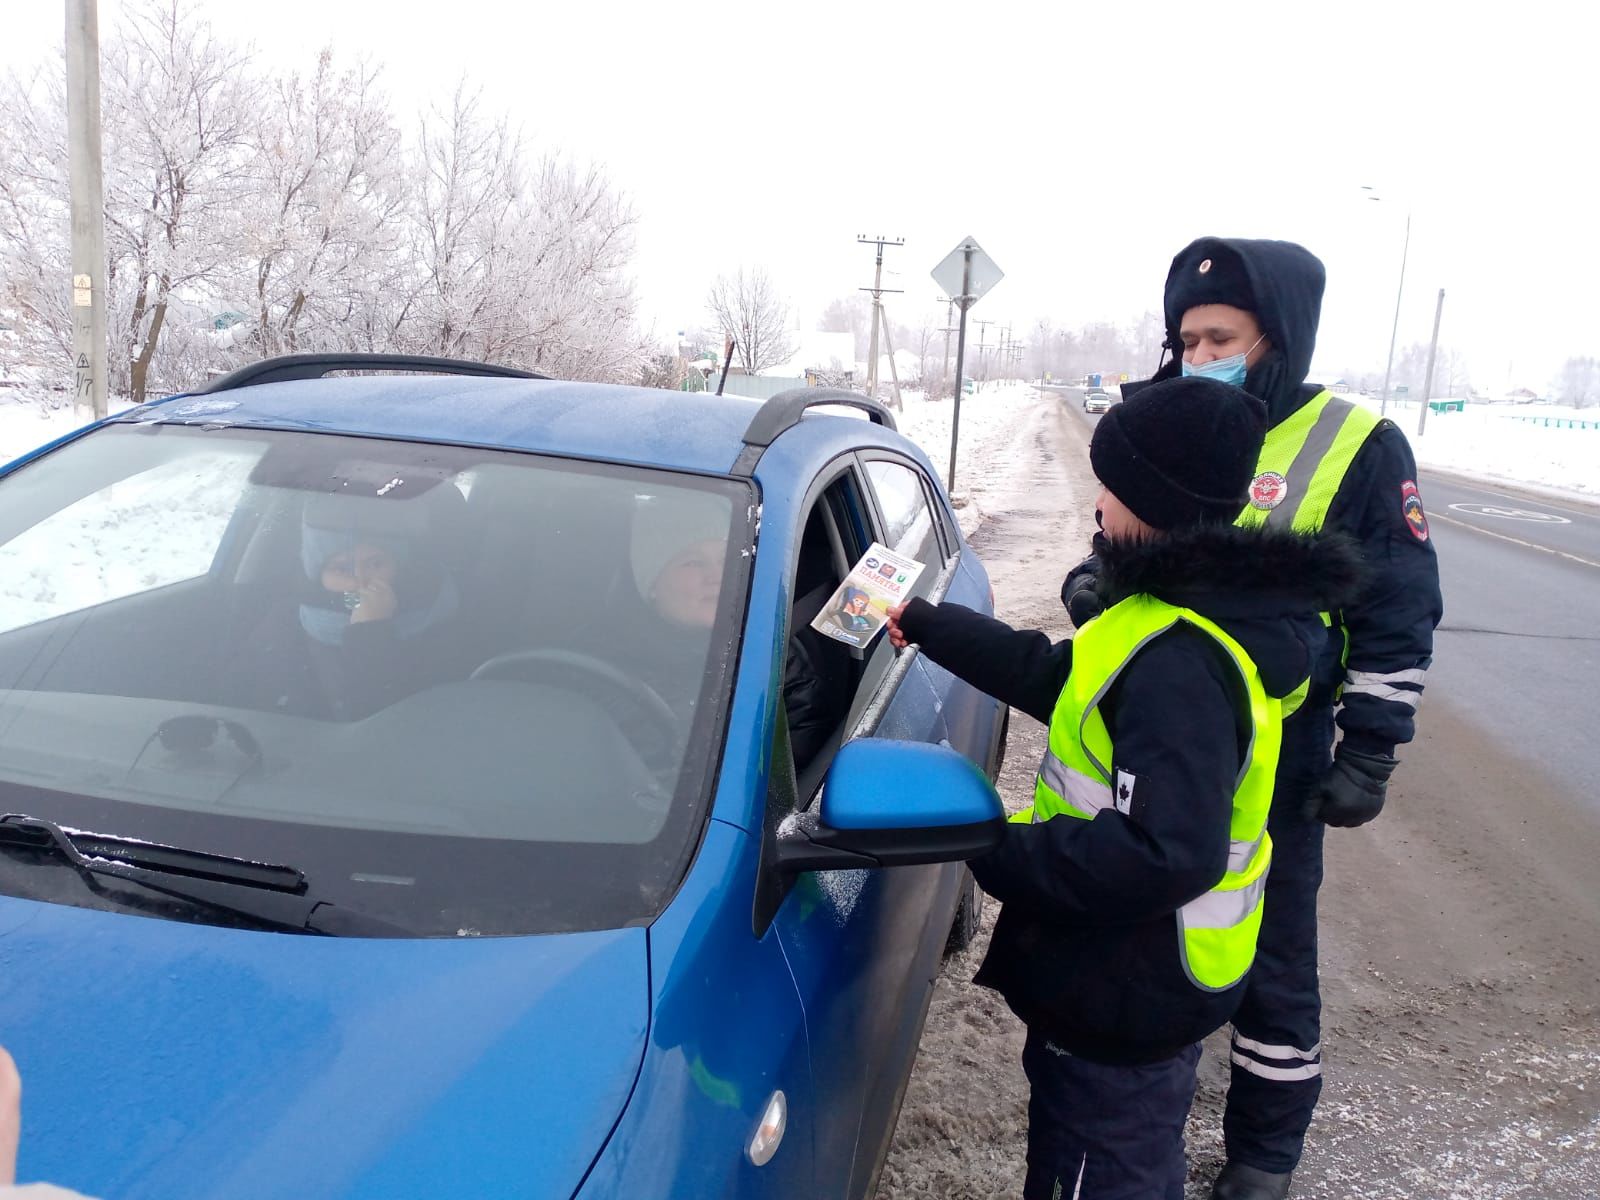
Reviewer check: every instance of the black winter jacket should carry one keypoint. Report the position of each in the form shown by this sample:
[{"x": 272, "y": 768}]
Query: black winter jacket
[
  {"x": 281, "y": 668},
  {"x": 1390, "y": 626},
  {"x": 1086, "y": 948}
]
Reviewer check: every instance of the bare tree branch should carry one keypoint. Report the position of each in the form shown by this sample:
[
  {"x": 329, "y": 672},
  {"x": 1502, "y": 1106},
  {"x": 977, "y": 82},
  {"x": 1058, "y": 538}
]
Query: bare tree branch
[{"x": 747, "y": 308}]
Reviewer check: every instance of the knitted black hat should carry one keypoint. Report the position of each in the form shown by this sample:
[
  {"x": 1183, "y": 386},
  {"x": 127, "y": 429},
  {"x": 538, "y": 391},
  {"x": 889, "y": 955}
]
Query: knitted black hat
[
  {"x": 1207, "y": 271},
  {"x": 1180, "y": 452}
]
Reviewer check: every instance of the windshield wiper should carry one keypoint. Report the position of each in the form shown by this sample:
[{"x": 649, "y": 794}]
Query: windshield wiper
[{"x": 272, "y": 895}]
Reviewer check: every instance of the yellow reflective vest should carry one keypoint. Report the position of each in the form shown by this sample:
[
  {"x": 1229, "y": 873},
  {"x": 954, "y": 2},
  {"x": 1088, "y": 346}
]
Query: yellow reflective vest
[
  {"x": 1303, "y": 462},
  {"x": 1218, "y": 929},
  {"x": 1302, "y": 465}
]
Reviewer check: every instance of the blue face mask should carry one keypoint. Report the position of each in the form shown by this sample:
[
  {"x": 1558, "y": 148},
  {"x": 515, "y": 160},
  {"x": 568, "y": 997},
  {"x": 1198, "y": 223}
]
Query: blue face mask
[{"x": 1230, "y": 370}]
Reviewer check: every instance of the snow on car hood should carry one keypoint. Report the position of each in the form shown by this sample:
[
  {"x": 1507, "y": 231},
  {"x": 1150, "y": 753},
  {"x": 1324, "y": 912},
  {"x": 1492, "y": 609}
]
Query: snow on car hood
[{"x": 164, "y": 1060}]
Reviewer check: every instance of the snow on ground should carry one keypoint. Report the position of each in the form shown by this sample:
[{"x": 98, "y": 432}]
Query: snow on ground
[
  {"x": 984, "y": 458},
  {"x": 25, "y": 427},
  {"x": 157, "y": 527},
  {"x": 1510, "y": 443}
]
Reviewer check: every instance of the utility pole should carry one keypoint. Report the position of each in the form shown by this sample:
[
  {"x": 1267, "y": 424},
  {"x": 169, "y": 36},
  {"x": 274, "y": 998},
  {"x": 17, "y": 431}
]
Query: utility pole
[
  {"x": 983, "y": 361},
  {"x": 949, "y": 328},
  {"x": 88, "y": 205},
  {"x": 877, "y": 289},
  {"x": 1433, "y": 348}
]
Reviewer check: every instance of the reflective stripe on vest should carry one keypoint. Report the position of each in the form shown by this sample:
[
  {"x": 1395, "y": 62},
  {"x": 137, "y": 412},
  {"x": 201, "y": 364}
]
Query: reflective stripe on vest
[
  {"x": 1089, "y": 795},
  {"x": 1217, "y": 930},
  {"x": 1310, "y": 453},
  {"x": 1302, "y": 466}
]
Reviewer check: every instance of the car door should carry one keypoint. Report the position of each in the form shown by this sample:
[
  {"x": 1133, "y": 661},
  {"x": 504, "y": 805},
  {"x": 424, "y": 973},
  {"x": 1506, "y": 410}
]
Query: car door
[{"x": 864, "y": 945}]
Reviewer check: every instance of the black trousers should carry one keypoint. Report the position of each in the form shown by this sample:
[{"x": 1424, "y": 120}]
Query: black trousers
[
  {"x": 1097, "y": 1132},
  {"x": 1277, "y": 1032}
]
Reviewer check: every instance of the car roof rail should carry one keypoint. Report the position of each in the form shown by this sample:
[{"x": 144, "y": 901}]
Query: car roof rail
[
  {"x": 784, "y": 411},
  {"x": 315, "y": 366}
]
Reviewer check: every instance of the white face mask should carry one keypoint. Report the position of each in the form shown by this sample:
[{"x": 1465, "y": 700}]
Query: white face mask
[{"x": 1224, "y": 370}]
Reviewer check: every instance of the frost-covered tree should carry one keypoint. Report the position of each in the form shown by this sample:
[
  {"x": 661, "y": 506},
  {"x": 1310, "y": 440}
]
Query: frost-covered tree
[
  {"x": 176, "y": 106},
  {"x": 34, "y": 251},
  {"x": 320, "y": 228},
  {"x": 249, "y": 214},
  {"x": 1579, "y": 384},
  {"x": 511, "y": 262}
]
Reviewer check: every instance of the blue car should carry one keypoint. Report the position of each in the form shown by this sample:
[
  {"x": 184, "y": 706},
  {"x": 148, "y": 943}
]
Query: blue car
[{"x": 432, "y": 785}]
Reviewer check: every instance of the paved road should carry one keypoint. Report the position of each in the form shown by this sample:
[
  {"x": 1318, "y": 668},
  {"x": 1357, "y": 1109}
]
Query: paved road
[{"x": 1518, "y": 655}]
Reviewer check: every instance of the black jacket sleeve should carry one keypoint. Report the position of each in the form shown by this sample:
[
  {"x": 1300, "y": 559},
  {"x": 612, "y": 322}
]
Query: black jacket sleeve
[
  {"x": 1391, "y": 627},
  {"x": 1021, "y": 667},
  {"x": 1174, "y": 720}
]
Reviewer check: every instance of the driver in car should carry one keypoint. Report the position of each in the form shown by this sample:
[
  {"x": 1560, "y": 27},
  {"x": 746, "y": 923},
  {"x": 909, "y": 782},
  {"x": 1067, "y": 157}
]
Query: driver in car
[{"x": 375, "y": 618}]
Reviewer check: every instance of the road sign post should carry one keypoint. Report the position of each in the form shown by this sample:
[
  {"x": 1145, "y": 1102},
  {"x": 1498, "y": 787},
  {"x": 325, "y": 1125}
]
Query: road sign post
[
  {"x": 966, "y": 274},
  {"x": 961, "y": 357}
]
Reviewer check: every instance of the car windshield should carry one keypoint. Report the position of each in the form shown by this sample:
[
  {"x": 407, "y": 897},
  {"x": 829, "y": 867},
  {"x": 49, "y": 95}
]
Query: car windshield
[{"x": 464, "y": 691}]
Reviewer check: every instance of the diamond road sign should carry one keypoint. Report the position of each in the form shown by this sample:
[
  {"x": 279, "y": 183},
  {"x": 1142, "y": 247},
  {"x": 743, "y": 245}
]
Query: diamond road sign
[{"x": 984, "y": 275}]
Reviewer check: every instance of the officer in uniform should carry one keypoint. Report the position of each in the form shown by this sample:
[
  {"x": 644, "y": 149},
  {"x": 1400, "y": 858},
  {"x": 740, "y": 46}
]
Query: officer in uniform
[
  {"x": 1246, "y": 312},
  {"x": 1131, "y": 890}
]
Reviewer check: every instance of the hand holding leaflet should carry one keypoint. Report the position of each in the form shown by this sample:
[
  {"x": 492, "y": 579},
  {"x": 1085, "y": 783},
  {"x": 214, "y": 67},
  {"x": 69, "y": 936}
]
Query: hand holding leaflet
[{"x": 859, "y": 608}]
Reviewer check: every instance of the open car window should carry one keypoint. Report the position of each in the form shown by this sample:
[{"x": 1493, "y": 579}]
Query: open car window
[{"x": 478, "y": 692}]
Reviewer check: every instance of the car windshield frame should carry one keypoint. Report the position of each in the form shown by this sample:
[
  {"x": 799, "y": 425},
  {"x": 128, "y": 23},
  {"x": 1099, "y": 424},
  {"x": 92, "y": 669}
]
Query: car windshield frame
[{"x": 440, "y": 881}]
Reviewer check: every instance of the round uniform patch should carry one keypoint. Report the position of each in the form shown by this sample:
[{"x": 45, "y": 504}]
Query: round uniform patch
[
  {"x": 1411, "y": 505},
  {"x": 1267, "y": 490},
  {"x": 1205, "y": 266}
]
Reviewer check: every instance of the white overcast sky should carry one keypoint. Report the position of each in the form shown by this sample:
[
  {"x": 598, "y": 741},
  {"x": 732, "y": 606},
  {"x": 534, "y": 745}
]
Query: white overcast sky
[{"x": 1081, "y": 143}]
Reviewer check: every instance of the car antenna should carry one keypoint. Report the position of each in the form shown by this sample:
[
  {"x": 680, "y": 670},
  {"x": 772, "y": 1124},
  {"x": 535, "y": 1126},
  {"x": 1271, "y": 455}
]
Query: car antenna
[{"x": 727, "y": 359}]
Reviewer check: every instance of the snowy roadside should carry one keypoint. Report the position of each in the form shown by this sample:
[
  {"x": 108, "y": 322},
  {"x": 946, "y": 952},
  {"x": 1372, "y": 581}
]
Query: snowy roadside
[
  {"x": 1537, "y": 445},
  {"x": 985, "y": 458}
]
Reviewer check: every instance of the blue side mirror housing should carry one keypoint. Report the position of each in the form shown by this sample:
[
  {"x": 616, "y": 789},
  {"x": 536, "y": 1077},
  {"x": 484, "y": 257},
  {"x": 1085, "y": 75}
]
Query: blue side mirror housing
[{"x": 889, "y": 803}]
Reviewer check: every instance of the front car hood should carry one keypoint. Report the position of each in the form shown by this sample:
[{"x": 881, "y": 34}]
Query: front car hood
[{"x": 164, "y": 1060}]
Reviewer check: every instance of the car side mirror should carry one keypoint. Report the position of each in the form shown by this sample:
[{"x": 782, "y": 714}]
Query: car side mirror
[{"x": 889, "y": 804}]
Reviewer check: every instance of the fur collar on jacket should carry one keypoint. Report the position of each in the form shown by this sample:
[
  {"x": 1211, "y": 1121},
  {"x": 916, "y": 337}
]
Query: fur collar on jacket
[{"x": 1230, "y": 570}]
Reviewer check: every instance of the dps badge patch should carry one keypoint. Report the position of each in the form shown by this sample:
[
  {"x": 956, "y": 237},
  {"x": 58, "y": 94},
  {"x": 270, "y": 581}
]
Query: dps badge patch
[
  {"x": 1411, "y": 505},
  {"x": 1267, "y": 490}
]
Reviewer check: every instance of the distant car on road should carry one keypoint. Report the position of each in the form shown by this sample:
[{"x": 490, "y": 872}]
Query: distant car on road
[{"x": 1097, "y": 401}]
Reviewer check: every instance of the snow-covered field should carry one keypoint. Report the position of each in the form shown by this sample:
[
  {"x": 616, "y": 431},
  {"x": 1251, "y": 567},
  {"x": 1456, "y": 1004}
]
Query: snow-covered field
[
  {"x": 1507, "y": 442},
  {"x": 24, "y": 427}
]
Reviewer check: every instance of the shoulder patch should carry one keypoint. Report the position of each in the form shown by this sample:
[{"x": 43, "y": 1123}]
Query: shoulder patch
[
  {"x": 1411, "y": 506},
  {"x": 1126, "y": 782}
]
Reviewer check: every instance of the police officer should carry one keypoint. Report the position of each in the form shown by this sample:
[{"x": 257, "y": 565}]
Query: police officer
[
  {"x": 1131, "y": 891},
  {"x": 1246, "y": 312}
]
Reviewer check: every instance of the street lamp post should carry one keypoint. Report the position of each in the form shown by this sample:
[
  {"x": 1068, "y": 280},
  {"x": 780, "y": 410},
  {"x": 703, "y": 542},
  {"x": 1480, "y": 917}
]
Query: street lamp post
[{"x": 1394, "y": 329}]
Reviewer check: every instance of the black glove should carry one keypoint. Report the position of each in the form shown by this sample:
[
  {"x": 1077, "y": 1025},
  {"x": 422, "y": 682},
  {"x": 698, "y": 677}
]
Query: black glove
[
  {"x": 1351, "y": 792},
  {"x": 1080, "y": 592}
]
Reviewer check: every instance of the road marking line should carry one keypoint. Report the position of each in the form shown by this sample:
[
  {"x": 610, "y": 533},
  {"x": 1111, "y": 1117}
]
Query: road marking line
[
  {"x": 1510, "y": 514},
  {"x": 1505, "y": 537},
  {"x": 1461, "y": 484}
]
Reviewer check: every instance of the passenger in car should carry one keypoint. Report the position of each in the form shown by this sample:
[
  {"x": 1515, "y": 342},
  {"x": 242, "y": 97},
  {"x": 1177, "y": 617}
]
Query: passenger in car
[
  {"x": 678, "y": 550},
  {"x": 375, "y": 617}
]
